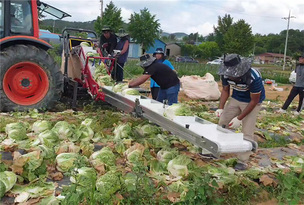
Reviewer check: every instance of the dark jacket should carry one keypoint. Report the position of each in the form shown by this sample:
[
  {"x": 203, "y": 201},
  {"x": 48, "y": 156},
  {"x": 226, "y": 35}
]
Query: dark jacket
[{"x": 111, "y": 43}]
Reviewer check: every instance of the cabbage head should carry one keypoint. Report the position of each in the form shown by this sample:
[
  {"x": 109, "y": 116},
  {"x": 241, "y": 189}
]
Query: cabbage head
[
  {"x": 177, "y": 110},
  {"x": 148, "y": 130},
  {"x": 134, "y": 153},
  {"x": 40, "y": 126},
  {"x": 84, "y": 133},
  {"x": 105, "y": 156},
  {"x": 130, "y": 180},
  {"x": 122, "y": 131},
  {"x": 130, "y": 91},
  {"x": 7, "y": 181},
  {"x": 105, "y": 80},
  {"x": 85, "y": 44},
  {"x": 84, "y": 176},
  {"x": 66, "y": 161},
  {"x": 100, "y": 70},
  {"x": 157, "y": 167},
  {"x": 120, "y": 87},
  {"x": 159, "y": 141},
  {"x": 66, "y": 147},
  {"x": 178, "y": 166},
  {"x": 108, "y": 184},
  {"x": 16, "y": 131},
  {"x": 165, "y": 155},
  {"x": 48, "y": 138},
  {"x": 47, "y": 152},
  {"x": 64, "y": 130}
]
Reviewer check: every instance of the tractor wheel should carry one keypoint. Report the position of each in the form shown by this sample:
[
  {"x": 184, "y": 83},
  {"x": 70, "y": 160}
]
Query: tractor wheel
[{"x": 29, "y": 79}]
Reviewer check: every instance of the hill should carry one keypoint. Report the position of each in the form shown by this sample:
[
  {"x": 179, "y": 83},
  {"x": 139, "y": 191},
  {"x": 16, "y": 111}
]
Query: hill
[{"x": 59, "y": 25}]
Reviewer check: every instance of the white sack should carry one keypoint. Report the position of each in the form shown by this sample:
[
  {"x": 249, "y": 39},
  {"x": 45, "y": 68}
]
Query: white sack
[{"x": 204, "y": 88}]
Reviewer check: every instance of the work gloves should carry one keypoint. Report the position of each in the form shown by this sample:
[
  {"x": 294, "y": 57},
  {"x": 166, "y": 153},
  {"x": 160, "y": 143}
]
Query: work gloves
[
  {"x": 235, "y": 123},
  {"x": 218, "y": 112}
]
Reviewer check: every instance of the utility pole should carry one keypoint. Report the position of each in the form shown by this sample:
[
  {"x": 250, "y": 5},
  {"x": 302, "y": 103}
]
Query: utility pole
[
  {"x": 101, "y": 8},
  {"x": 286, "y": 18}
]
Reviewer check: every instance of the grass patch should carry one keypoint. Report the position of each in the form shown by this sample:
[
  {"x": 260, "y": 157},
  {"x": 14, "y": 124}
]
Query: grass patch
[{"x": 132, "y": 69}]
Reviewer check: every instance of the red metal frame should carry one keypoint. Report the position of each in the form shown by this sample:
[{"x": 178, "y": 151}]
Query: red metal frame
[
  {"x": 89, "y": 81},
  {"x": 35, "y": 18}
]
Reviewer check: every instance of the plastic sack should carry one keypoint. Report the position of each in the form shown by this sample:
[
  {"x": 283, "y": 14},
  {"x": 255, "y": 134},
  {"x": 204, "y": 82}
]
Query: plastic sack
[{"x": 204, "y": 88}]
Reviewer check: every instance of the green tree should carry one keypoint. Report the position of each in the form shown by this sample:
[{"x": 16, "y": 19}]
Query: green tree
[
  {"x": 144, "y": 28},
  {"x": 210, "y": 37},
  {"x": 209, "y": 49},
  {"x": 110, "y": 17},
  {"x": 239, "y": 38},
  {"x": 222, "y": 28},
  {"x": 192, "y": 38},
  {"x": 189, "y": 50}
]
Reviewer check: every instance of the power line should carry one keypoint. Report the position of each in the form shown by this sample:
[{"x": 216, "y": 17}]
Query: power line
[{"x": 286, "y": 18}]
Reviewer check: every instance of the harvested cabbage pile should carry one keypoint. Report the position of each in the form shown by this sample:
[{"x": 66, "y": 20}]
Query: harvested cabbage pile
[
  {"x": 179, "y": 109},
  {"x": 97, "y": 66}
]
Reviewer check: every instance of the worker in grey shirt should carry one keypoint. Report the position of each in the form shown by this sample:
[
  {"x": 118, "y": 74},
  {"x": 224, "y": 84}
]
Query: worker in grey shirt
[{"x": 297, "y": 89}]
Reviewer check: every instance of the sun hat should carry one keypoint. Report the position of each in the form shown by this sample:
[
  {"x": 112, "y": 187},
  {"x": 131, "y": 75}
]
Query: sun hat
[
  {"x": 106, "y": 28},
  {"x": 122, "y": 33},
  {"x": 234, "y": 66},
  {"x": 159, "y": 51},
  {"x": 146, "y": 60}
]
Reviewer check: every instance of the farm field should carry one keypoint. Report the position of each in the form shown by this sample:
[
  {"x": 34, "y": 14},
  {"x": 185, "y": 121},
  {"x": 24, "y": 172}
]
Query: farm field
[{"x": 99, "y": 155}]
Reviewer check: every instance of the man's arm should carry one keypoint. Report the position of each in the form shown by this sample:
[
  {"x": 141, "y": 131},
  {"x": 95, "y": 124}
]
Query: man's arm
[
  {"x": 224, "y": 96},
  {"x": 255, "y": 98},
  {"x": 138, "y": 81}
]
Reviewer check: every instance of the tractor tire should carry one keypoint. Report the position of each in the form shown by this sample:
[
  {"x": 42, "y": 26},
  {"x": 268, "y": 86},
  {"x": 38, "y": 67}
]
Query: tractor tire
[{"x": 29, "y": 79}]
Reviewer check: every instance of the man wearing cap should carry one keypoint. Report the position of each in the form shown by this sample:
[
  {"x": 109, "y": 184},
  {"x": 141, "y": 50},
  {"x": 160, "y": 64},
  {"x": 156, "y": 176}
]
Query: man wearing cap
[
  {"x": 245, "y": 102},
  {"x": 297, "y": 89},
  {"x": 123, "y": 46},
  {"x": 163, "y": 75},
  {"x": 108, "y": 41},
  {"x": 160, "y": 57}
]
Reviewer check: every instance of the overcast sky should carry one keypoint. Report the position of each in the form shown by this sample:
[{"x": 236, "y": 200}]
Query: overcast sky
[{"x": 191, "y": 16}]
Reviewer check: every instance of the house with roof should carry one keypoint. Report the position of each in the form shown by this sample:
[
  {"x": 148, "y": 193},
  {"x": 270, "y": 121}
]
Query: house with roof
[
  {"x": 270, "y": 58},
  {"x": 173, "y": 49},
  {"x": 49, "y": 37},
  {"x": 136, "y": 50}
]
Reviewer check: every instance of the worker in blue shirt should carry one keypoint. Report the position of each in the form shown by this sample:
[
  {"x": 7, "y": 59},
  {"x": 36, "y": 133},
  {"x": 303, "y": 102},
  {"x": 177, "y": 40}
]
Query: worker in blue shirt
[
  {"x": 245, "y": 102},
  {"x": 160, "y": 58}
]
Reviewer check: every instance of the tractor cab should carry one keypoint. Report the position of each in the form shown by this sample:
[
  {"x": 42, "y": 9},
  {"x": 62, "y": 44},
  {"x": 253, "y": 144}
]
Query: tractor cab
[{"x": 20, "y": 17}]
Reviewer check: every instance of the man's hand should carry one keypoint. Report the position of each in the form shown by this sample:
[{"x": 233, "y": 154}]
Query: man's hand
[
  {"x": 105, "y": 45},
  {"x": 218, "y": 112},
  {"x": 235, "y": 123}
]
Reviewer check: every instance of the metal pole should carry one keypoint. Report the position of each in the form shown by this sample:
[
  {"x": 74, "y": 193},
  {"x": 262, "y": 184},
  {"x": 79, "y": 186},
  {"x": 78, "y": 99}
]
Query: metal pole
[
  {"x": 101, "y": 8},
  {"x": 285, "y": 50}
]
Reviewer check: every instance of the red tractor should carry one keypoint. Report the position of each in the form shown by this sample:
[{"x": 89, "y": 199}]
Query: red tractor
[{"x": 29, "y": 77}]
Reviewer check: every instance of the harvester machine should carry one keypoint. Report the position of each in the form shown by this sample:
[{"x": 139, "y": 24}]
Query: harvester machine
[{"x": 30, "y": 78}]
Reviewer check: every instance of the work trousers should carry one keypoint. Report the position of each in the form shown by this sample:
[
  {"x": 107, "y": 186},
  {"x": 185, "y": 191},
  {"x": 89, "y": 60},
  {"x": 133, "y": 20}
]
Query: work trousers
[
  {"x": 234, "y": 108},
  {"x": 293, "y": 93},
  {"x": 154, "y": 92},
  {"x": 117, "y": 73},
  {"x": 170, "y": 94}
]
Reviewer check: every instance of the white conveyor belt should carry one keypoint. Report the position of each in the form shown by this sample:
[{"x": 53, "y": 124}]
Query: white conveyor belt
[{"x": 200, "y": 132}]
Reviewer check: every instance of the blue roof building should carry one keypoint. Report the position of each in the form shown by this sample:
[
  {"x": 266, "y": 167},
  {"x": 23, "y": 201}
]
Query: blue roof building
[
  {"x": 48, "y": 36},
  {"x": 136, "y": 50},
  {"x": 157, "y": 44}
]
